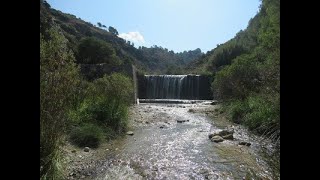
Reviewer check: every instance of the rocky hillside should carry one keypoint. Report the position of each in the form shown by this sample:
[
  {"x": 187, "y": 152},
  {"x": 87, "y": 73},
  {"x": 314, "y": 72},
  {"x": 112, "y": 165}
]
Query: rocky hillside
[{"x": 154, "y": 59}]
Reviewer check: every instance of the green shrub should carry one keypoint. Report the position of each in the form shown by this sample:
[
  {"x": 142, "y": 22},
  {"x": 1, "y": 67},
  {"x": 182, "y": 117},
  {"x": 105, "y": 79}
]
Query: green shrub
[
  {"x": 259, "y": 112},
  {"x": 106, "y": 103},
  {"x": 87, "y": 134},
  {"x": 237, "y": 110},
  {"x": 263, "y": 116},
  {"x": 58, "y": 82}
]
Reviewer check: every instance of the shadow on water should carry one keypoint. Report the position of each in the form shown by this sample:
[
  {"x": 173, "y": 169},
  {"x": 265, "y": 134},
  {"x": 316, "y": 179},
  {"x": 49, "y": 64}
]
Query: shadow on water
[{"x": 170, "y": 142}]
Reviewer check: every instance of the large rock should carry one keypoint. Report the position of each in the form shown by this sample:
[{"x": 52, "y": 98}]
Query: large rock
[
  {"x": 130, "y": 133},
  {"x": 211, "y": 135},
  {"x": 229, "y": 137},
  {"x": 226, "y": 132},
  {"x": 216, "y": 139}
]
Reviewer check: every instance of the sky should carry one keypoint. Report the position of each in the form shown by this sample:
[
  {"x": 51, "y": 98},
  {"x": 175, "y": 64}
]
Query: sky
[{"x": 177, "y": 25}]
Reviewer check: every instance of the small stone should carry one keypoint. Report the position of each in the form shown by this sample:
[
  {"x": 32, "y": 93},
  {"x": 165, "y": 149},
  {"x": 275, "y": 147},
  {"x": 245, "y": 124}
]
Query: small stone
[
  {"x": 244, "y": 143},
  {"x": 130, "y": 133},
  {"x": 86, "y": 149},
  {"x": 73, "y": 151},
  {"x": 162, "y": 126},
  {"x": 203, "y": 171},
  {"x": 181, "y": 121},
  {"x": 217, "y": 139}
]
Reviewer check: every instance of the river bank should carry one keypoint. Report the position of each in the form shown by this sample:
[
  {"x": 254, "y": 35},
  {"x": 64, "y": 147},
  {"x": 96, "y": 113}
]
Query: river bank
[{"x": 170, "y": 141}]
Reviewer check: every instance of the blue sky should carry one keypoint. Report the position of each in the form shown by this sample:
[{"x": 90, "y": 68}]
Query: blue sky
[{"x": 174, "y": 24}]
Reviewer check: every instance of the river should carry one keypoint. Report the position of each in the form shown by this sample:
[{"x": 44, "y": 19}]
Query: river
[{"x": 163, "y": 148}]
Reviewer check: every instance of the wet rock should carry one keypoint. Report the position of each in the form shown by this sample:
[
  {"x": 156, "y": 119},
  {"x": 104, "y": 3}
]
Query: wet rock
[
  {"x": 204, "y": 171},
  {"x": 86, "y": 149},
  {"x": 181, "y": 120},
  {"x": 129, "y": 133},
  {"x": 216, "y": 139},
  {"x": 226, "y": 132},
  {"x": 229, "y": 137},
  {"x": 211, "y": 177},
  {"x": 244, "y": 143}
]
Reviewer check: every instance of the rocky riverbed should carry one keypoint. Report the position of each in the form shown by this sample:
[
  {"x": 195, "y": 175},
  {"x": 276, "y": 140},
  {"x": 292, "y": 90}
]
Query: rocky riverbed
[{"x": 171, "y": 141}]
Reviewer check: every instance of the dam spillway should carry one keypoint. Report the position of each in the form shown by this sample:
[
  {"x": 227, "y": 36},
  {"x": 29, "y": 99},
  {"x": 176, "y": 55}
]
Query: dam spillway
[{"x": 174, "y": 87}]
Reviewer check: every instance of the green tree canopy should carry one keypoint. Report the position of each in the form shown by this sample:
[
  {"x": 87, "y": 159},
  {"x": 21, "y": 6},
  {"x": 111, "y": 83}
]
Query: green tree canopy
[
  {"x": 113, "y": 30},
  {"x": 92, "y": 51}
]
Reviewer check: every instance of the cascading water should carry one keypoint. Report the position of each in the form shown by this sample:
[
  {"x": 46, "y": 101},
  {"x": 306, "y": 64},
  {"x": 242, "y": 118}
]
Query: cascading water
[{"x": 172, "y": 86}]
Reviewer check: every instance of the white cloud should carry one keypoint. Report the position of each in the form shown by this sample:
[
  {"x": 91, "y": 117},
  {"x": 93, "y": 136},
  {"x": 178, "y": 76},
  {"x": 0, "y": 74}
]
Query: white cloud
[{"x": 132, "y": 36}]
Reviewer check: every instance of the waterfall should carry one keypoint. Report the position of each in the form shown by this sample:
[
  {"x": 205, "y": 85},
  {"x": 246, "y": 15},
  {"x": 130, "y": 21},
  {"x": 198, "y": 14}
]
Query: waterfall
[{"x": 172, "y": 86}]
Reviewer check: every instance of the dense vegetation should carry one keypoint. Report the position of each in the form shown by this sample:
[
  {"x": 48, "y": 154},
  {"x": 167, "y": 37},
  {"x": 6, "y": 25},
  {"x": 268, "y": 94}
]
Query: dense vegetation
[
  {"x": 86, "y": 112},
  {"x": 247, "y": 72}
]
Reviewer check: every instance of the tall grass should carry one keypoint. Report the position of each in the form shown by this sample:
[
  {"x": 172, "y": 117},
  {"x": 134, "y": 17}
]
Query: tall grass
[{"x": 261, "y": 114}]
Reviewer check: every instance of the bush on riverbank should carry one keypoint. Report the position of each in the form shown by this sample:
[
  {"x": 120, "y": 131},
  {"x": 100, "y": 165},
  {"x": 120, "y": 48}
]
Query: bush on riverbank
[
  {"x": 249, "y": 84},
  {"x": 259, "y": 113},
  {"x": 89, "y": 111},
  {"x": 106, "y": 105},
  {"x": 58, "y": 82},
  {"x": 89, "y": 135}
]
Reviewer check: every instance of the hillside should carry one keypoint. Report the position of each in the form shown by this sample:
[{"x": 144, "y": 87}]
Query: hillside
[
  {"x": 243, "y": 42},
  {"x": 246, "y": 72},
  {"x": 155, "y": 59}
]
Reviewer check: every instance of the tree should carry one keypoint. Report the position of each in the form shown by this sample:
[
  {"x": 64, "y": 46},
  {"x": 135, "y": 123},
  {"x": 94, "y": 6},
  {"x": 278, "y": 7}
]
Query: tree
[
  {"x": 113, "y": 30},
  {"x": 92, "y": 50},
  {"x": 99, "y": 24},
  {"x": 104, "y": 26}
]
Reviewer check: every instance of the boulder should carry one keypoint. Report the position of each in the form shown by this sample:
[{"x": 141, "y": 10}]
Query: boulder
[
  {"x": 226, "y": 132},
  {"x": 211, "y": 135},
  {"x": 229, "y": 137},
  {"x": 216, "y": 139}
]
